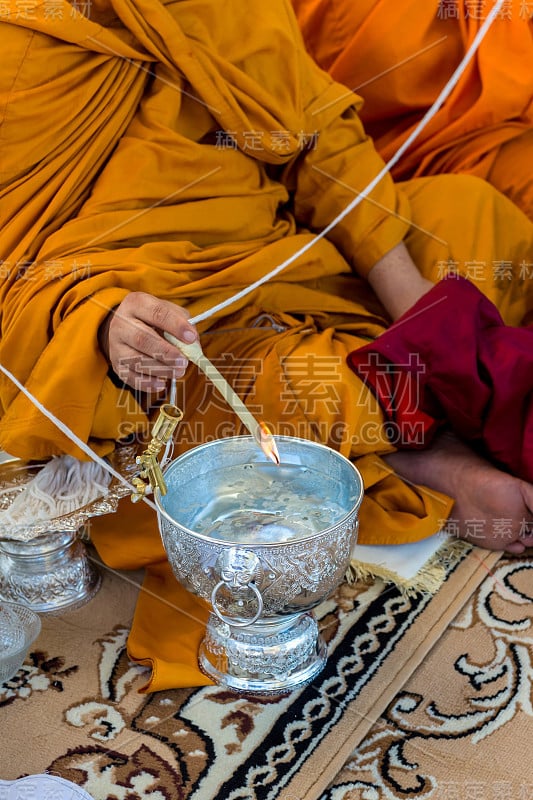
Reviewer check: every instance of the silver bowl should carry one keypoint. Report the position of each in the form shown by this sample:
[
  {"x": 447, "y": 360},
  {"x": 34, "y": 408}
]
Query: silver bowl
[
  {"x": 19, "y": 628},
  {"x": 264, "y": 544}
]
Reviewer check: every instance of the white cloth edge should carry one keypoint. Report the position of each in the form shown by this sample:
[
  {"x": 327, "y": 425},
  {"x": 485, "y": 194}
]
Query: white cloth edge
[{"x": 406, "y": 560}]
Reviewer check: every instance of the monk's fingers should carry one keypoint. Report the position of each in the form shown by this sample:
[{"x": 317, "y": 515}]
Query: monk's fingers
[
  {"x": 145, "y": 366},
  {"x": 145, "y": 373},
  {"x": 524, "y": 538},
  {"x": 157, "y": 314},
  {"x": 132, "y": 339},
  {"x": 145, "y": 384},
  {"x": 523, "y": 543},
  {"x": 515, "y": 548},
  {"x": 131, "y": 336}
]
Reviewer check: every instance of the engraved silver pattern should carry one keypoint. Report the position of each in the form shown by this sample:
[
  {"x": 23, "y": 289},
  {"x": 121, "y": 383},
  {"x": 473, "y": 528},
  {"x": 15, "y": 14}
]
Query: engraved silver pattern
[{"x": 275, "y": 648}]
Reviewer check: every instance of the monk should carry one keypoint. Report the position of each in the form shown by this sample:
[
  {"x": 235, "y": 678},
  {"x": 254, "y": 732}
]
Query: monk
[
  {"x": 399, "y": 56},
  {"x": 175, "y": 157}
]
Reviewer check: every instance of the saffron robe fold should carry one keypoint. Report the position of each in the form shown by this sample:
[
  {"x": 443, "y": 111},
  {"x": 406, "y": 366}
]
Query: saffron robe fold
[
  {"x": 399, "y": 56},
  {"x": 184, "y": 149}
]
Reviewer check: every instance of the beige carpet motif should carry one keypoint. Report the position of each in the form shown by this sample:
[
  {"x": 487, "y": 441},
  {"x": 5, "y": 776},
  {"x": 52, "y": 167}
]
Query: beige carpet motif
[
  {"x": 75, "y": 710},
  {"x": 461, "y": 727}
]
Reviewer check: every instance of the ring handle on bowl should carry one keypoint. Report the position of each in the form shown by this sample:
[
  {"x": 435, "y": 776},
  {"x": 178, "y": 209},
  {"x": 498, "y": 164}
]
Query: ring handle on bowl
[
  {"x": 230, "y": 620},
  {"x": 238, "y": 569}
]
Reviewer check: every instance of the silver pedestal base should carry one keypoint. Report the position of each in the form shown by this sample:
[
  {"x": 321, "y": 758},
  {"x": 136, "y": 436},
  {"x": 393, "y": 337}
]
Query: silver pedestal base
[
  {"x": 50, "y": 573},
  {"x": 273, "y": 656}
]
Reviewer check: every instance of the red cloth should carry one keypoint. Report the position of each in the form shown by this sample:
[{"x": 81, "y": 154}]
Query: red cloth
[{"x": 451, "y": 360}]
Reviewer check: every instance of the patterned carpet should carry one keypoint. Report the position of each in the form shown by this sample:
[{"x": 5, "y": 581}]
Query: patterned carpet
[
  {"x": 414, "y": 701},
  {"x": 460, "y": 729}
]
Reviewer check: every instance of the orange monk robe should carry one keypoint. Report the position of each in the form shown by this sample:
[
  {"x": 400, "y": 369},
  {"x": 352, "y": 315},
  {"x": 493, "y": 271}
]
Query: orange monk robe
[
  {"x": 169, "y": 155},
  {"x": 399, "y": 56}
]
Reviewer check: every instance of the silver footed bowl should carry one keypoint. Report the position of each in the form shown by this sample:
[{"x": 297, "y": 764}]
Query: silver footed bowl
[
  {"x": 264, "y": 544},
  {"x": 45, "y": 565}
]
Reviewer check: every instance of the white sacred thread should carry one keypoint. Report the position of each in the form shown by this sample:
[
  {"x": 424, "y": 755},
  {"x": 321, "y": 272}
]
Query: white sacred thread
[
  {"x": 446, "y": 91},
  {"x": 61, "y": 487},
  {"x": 72, "y": 436}
]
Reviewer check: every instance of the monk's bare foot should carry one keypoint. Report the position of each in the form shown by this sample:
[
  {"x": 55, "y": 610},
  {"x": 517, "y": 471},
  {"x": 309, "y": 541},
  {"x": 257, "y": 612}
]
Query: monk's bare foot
[{"x": 492, "y": 509}]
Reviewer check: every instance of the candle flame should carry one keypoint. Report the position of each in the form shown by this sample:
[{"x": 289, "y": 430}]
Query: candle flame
[{"x": 267, "y": 442}]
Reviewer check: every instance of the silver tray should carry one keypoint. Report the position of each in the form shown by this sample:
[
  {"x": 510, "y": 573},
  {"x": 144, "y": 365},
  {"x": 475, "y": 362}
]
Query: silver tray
[{"x": 15, "y": 474}]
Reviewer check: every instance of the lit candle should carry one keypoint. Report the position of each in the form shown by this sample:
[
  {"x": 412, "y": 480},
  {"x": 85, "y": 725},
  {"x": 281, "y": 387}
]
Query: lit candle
[{"x": 260, "y": 433}]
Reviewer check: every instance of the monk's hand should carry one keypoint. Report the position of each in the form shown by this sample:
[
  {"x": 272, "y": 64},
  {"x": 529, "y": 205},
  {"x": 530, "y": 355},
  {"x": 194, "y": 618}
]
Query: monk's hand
[{"x": 131, "y": 338}]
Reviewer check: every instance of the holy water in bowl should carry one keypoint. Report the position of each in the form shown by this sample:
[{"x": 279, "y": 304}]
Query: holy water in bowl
[{"x": 262, "y": 503}]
